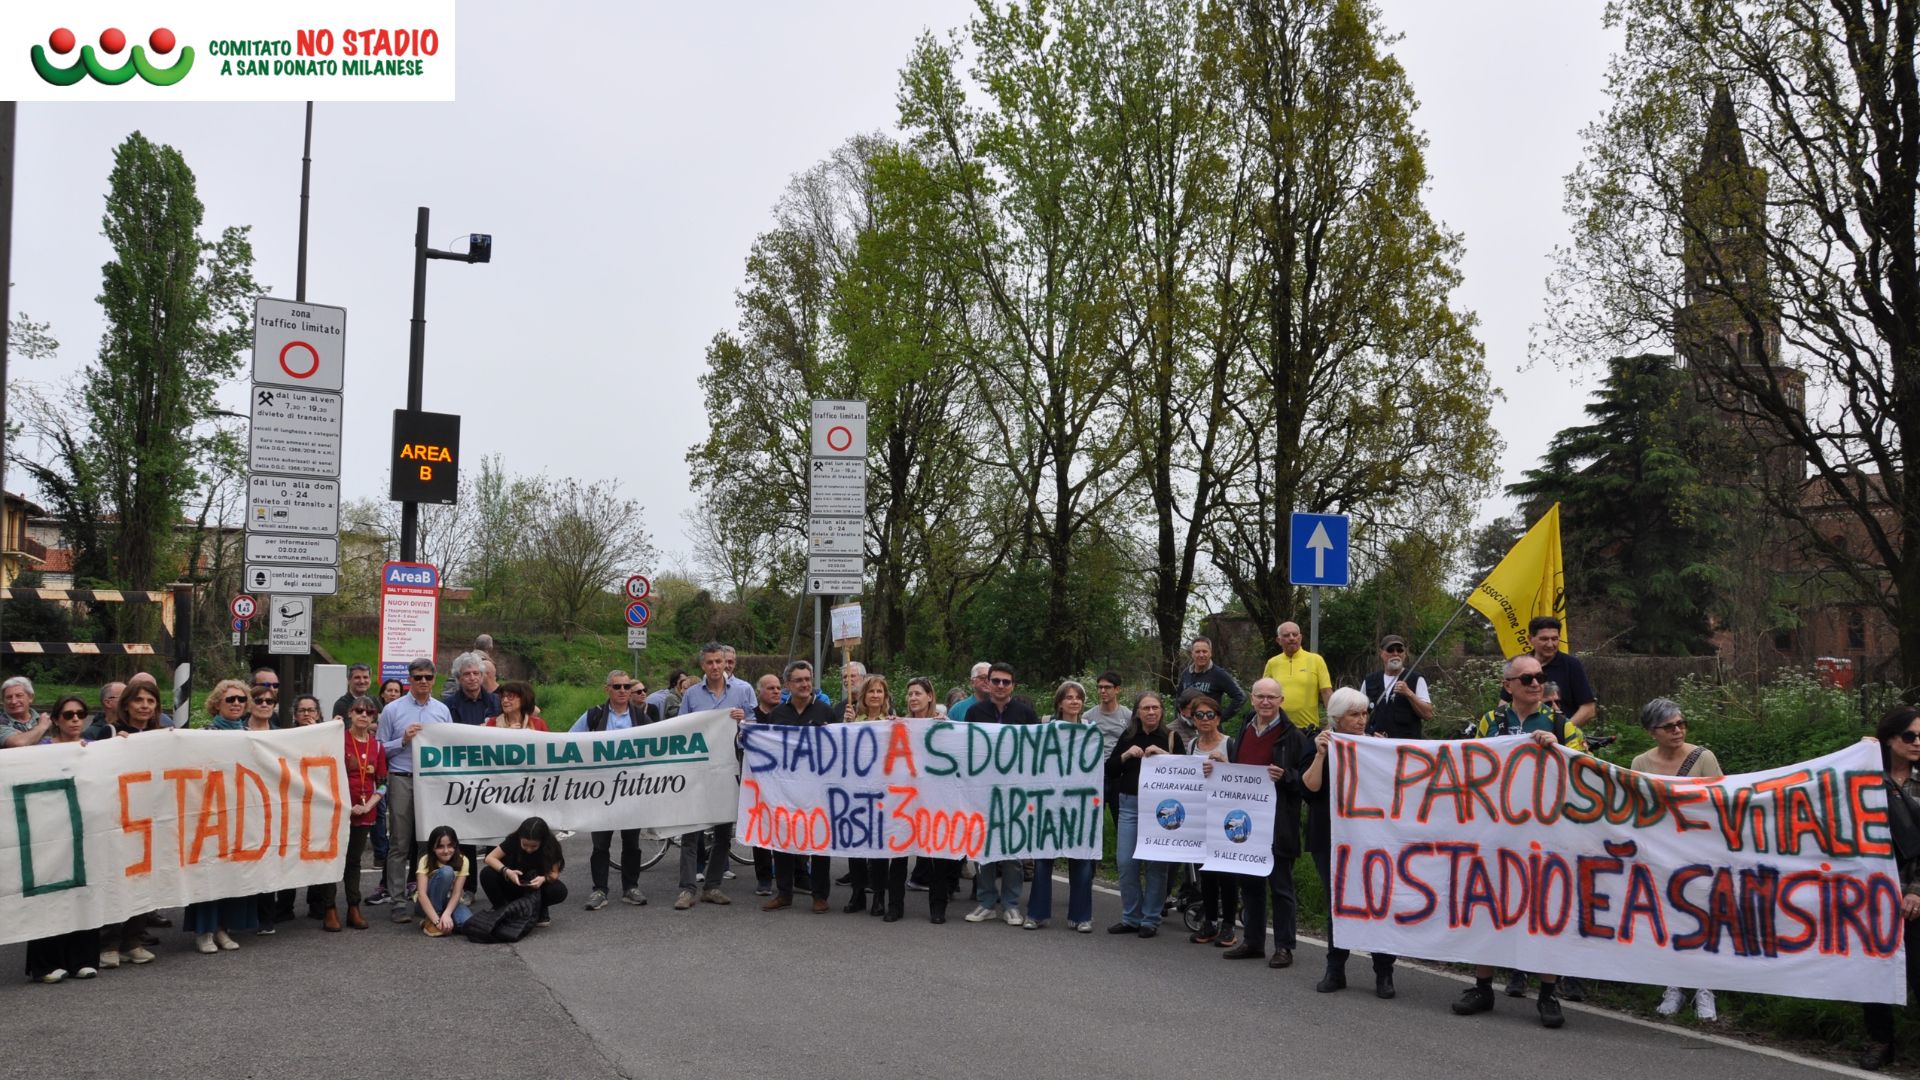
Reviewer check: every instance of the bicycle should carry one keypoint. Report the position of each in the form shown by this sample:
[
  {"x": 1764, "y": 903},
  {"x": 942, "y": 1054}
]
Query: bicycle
[{"x": 653, "y": 850}]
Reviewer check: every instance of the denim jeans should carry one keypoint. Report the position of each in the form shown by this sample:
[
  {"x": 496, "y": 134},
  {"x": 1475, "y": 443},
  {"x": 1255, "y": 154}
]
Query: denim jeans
[
  {"x": 999, "y": 882},
  {"x": 1140, "y": 903},
  {"x": 440, "y": 890},
  {"x": 1079, "y": 891}
]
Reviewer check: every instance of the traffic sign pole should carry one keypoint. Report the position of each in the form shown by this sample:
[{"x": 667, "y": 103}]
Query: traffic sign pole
[{"x": 1313, "y": 619}]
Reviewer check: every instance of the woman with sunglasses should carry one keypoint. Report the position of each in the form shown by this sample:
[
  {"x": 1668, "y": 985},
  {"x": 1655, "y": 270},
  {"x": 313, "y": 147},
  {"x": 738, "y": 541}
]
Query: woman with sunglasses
[
  {"x": 366, "y": 787},
  {"x": 885, "y": 879},
  {"x": 51, "y": 959},
  {"x": 1219, "y": 890},
  {"x": 137, "y": 713},
  {"x": 263, "y": 706},
  {"x": 1673, "y": 755},
  {"x": 212, "y": 922},
  {"x": 1899, "y": 737}
]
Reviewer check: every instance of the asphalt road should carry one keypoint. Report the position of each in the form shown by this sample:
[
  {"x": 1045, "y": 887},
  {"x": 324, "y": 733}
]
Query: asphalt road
[{"x": 737, "y": 992}]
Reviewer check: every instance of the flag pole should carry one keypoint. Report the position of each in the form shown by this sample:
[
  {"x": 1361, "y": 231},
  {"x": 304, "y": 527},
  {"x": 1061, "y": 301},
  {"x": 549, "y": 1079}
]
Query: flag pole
[{"x": 1442, "y": 632}]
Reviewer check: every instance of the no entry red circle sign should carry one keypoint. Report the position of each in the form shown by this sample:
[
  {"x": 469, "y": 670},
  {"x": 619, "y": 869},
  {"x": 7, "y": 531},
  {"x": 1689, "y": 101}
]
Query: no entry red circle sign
[
  {"x": 839, "y": 437},
  {"x": 313, "y": 357}
]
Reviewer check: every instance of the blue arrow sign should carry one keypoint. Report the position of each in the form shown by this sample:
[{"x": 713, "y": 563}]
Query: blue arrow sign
[{"x": 1318, "y": 550}]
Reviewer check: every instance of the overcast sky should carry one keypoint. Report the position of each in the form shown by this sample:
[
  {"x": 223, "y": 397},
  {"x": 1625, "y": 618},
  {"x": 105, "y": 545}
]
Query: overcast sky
[{"x": 625, "y": 172}]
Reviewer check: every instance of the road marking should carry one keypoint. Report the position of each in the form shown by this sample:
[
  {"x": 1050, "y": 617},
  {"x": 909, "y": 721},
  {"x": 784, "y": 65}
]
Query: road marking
[{"x": 1626, "y": 1018}]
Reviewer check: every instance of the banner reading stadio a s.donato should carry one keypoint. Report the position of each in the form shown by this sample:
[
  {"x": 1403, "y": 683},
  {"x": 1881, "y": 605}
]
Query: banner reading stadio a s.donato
[
  {"x": 669, "y": 778},
  {"x": 1506, "y": 852}
]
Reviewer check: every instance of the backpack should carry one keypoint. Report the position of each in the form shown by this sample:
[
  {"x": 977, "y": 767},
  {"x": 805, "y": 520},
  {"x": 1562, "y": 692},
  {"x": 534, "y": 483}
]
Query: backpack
[{"x": 504, "y": 925}]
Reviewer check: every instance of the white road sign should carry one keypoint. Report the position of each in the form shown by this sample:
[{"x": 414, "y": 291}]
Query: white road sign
[
  {"x": 309, "y": 580},
  {"x": 299, "y": 550},
  {"x": 840, "y": 429},
  {"x": 636, "y": 637},
  {"x": 834, "y": 536},
  {"x": 829, "y": 575},
  {"x": 290, "y": 625},
  {"x": 294, "y": 431},
  {"x": 299, "y": 344},
  {"x": 299, "y": 507}
]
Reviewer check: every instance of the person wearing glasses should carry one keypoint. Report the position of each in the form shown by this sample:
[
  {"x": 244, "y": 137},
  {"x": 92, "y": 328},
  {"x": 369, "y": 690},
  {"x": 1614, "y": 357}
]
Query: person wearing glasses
[
  {"x": 212, "y": 922},
  {"x": 1673, "y": 755},
  {"x": 51, "y": 959},
  {"x": 999, "y": 882},
  {"x": 1898, "y": 734},
  {"x": 366, "y": 788},
  {"x": 400, "y": 721},
  {"x": 1272, "y": 738},
  {"x": 1219, "y": 890},
  {"x": 617, "y": 712},
  {"x": 1526, "y": 713},
  {"x": 263, "y": 707},
  {"x": 1398, "y": 705},
  {"x": 306, "y": 710},
  {"x": 267, "y": 679}
]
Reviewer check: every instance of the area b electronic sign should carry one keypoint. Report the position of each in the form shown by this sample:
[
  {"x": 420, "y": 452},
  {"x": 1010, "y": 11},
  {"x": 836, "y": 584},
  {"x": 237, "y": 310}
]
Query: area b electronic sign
[{"x": 426, "y": 457}]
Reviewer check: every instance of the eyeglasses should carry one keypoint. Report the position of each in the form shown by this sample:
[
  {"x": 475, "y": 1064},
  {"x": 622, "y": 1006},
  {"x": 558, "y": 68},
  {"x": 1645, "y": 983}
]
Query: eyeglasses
[
  {"x": 266, "y": 699},
  {"x": 1395, "y": 648},
  {"x": 1529, "y": 679},
  {"x": 235, "y": 699},
  {"x": 619, "y": 686},
  {"x": 1677, "y": 725},
  {"x": 1908, "y": 737},
  {"x": 1205, "y": 714},
  {"x": 69, "y": 714},
  {"x": 1001, "y": 682},
  {"x": 358, "y": 711},
  {"x": 426, "y": 676}
]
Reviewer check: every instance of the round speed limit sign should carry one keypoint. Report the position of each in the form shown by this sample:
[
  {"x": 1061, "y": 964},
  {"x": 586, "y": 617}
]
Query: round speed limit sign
[
  {"x": 243, "y": 606},
  {"x": 638, "y": 587}
]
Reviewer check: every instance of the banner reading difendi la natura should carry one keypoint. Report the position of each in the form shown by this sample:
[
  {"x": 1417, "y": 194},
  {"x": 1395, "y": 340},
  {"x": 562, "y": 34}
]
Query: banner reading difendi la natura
[
  {"x": 1504, "y": 852},
  {"x": 923, "y": 787},
  {"x": 92, "y": 835},
  {"x": 669, "y": 778}
]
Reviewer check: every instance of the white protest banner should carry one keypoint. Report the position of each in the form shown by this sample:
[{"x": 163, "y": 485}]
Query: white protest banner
[
  {"x": 669, "y": 778},
  {"x": 1240, "y": 804},
  {"x": 923, "y": 787},
  {"x": 92, "y": 835},
  {"x": 1173, "y": 810},
  {"x": 1505, "y": 852}
]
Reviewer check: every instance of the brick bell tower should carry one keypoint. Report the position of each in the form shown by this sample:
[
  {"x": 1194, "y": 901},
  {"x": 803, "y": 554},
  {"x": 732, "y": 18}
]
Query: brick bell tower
[{"x": 1728, "y": 320}]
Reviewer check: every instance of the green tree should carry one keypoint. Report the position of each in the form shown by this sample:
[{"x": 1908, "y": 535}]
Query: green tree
[
  {"x": 1752, "y": 195},
  {"x": 582, "y": 539},
  {"x": 1364, "y": 389},
  {"x": 1644, "y": 511}
]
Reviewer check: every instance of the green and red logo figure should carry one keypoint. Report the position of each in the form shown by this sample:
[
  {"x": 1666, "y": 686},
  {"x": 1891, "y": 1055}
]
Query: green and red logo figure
[{"x": 61, "y": 41}]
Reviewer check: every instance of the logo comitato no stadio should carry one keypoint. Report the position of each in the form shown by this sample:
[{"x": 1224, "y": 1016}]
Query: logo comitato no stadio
[{"x": 112, "y": 41}]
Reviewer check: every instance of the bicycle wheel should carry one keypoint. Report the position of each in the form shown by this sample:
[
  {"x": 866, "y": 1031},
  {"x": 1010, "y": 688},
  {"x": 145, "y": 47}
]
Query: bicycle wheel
[
  {"x": 652, "y": 851},
  {"x": 741, "y": 854},
  {"x": 1190, "y": 915}
]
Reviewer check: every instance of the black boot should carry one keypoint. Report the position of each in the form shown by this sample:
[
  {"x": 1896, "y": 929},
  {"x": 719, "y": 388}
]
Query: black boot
[
  {"x": 856, "y": 905},
  {"x": 1549, "y": 1007},
  {"x": 1334, "y": 979}
]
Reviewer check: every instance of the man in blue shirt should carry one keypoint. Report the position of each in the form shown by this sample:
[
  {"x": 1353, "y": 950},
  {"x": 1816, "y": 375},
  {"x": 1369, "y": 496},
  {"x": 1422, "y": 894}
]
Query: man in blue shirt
[
  {"x": 470, "y": 702},
  {"x": 958, "y": 710},
  {"x": 400, "y": 721},
  {"x": 619, "y": 712},
  {"x": 719, "y": 691}
]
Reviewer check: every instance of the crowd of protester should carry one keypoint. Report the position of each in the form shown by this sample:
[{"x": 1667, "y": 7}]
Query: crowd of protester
[{"x": 1284, "y": 722}]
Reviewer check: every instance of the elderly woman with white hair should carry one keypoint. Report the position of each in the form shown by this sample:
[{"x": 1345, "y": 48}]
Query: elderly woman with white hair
[{"x": 1346, "y": 718}]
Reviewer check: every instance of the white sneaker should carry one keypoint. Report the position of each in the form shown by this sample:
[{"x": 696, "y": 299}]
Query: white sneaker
[
  {"x": 54, "y": 976},
  {"x": 224, "y": 940},
  {"x": 109, "y": 959},
  {"x": 86, "y": 973},
  {"x": 1670, "y": 1001},
  {"x": 981, "y": 914},
  {"x": 1013, "y": 915},
  {"x": 1703, "y": 1006},
  {"x": 1084, "y": 928},
  {"x": 204, "y": 943},
  {"x": 140, "y": 956}
]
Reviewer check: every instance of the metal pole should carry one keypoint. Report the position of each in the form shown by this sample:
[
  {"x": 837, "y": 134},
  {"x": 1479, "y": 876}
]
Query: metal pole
[
  {"x": 817, "y": 658},
  {"x": 416, "y": 375},
  {"x": 7, "y": 116},
  {"x": 1313, "y": 620},
  {"x": 306, "y": 176},
  {"x": 182, "y": 654}
]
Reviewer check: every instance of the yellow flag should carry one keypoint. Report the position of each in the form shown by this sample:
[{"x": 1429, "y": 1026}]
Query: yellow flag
[{"x": 1528, "y": 582}]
